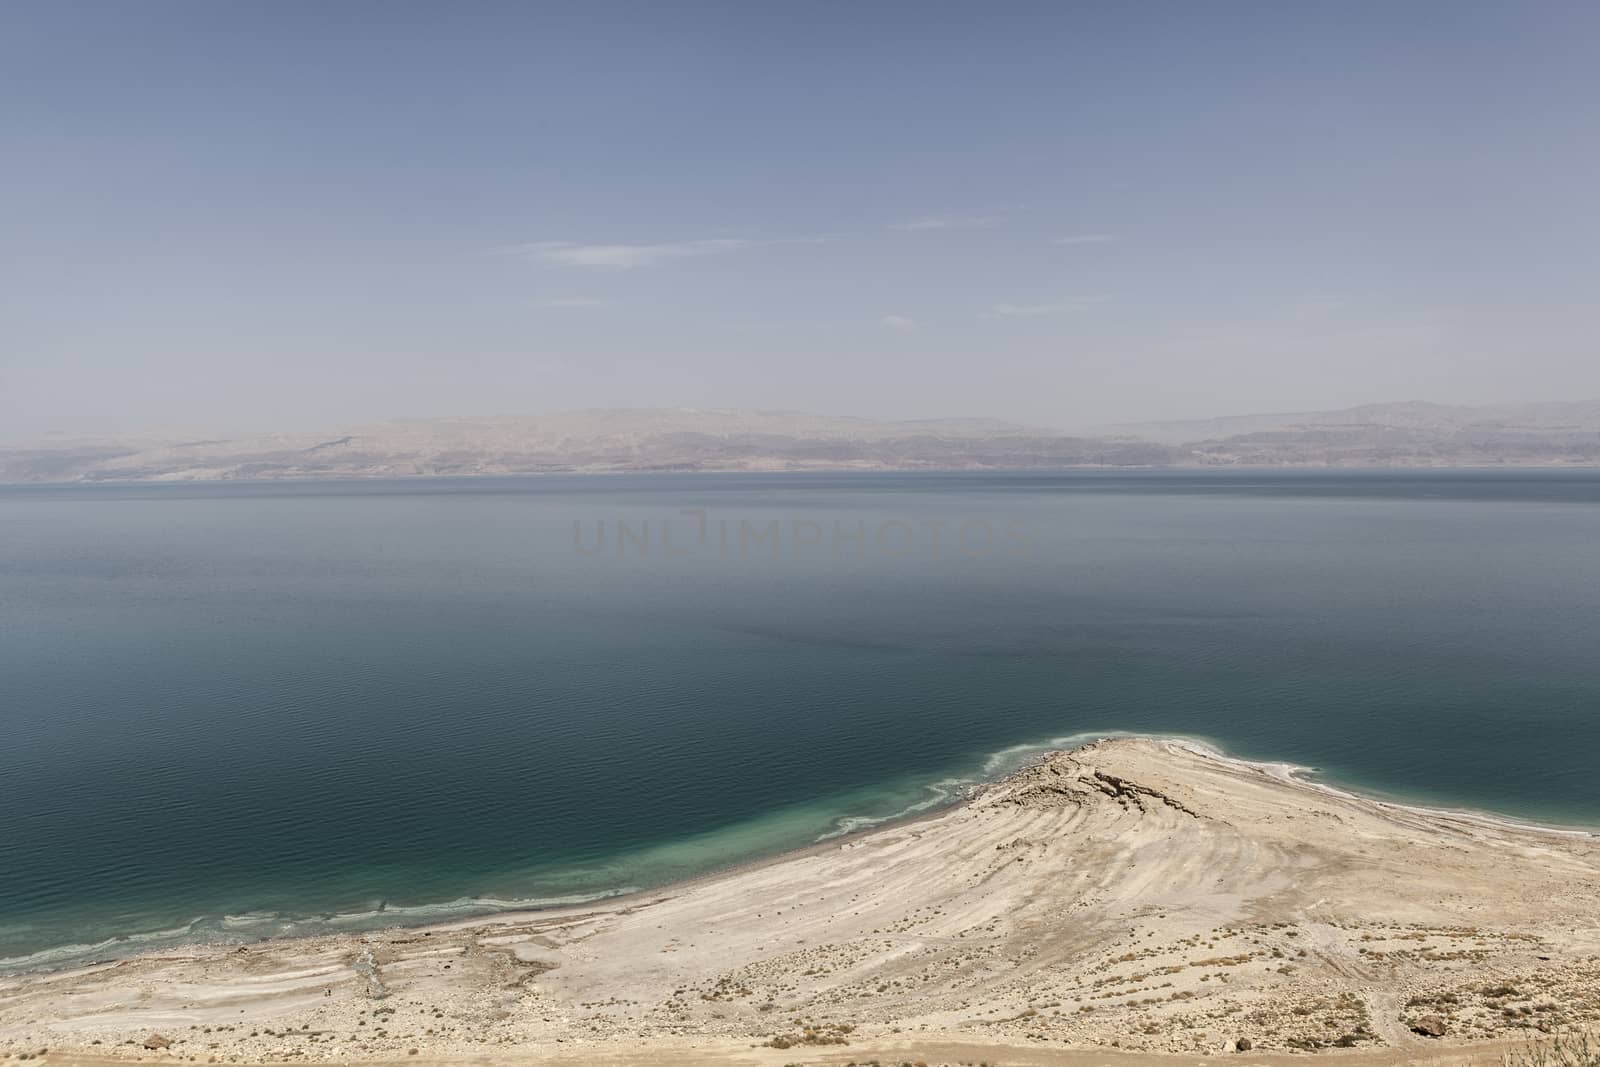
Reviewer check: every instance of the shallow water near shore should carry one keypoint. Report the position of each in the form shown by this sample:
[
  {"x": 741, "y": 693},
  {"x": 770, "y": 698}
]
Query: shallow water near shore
[{"x": 239, "y": 710}]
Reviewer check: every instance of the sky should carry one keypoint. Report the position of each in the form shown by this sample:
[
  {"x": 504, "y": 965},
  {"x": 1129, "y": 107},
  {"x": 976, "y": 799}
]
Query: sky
[{"x": 282, "y": 215}]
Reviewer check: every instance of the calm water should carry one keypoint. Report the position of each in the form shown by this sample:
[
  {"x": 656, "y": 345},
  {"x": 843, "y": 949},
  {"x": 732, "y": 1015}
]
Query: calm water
[{"x": 234, "y": 710}]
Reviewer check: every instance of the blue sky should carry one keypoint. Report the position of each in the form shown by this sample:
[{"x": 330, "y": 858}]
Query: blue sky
[{"x": 244, "y": 216}]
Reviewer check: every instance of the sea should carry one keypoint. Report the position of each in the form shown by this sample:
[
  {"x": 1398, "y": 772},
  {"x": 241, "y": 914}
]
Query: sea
[{"x": 238, "y": 710}]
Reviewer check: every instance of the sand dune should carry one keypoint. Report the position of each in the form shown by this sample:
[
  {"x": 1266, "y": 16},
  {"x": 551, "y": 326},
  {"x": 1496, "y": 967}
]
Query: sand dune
[{"x": 1120, "y": 903}]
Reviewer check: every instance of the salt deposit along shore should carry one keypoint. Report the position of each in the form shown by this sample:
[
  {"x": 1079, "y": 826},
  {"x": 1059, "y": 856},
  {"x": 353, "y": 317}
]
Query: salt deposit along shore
[{"x": 1132, "y": 901}]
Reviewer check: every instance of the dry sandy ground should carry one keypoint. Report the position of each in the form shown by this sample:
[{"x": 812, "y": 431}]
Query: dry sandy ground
[{"x": 1127, "y": 903}]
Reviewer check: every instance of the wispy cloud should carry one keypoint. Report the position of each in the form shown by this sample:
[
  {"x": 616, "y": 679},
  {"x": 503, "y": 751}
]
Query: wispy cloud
[
  {"x": 1033, "y": 311},
  {"x": 950, "y": 222},
  {"x": 898, "y": 322},
  {"x": 1027, "y": 311},
  {"x": 570, "y": 302},
  {"x": 1086, "y": 239},
  {"x": 623, "y": 256}
]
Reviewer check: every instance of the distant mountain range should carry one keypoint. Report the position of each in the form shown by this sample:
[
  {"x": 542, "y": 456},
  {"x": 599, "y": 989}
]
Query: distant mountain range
[
  {"x": 1377, "y": 435},
  {"x": 1387, "y": 435}
]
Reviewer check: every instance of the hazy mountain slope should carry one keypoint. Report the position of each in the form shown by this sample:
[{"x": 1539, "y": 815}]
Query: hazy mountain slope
[
  {"x": 630, "y": 440},
  {"x": 1388, "y": 435},
  {"x": 1377, "y": 435},
  {"x": 1439, "y": 420}
]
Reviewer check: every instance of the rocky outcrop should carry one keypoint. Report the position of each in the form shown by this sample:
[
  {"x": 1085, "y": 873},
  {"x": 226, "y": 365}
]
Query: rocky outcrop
[
  {"x": 1066, "y": 779},
  {"x": 1121, "y": 789}
]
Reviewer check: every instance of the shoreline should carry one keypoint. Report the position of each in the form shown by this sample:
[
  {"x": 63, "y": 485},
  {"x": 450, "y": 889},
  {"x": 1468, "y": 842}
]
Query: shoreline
[
  {"x": 1216, "y": 468},
  {"x": 619, "y": 897},
  {"x": 1301, "y": 775},
  {"x": 1130, "y": 894},
  {"x": 1297, "y": 775}
]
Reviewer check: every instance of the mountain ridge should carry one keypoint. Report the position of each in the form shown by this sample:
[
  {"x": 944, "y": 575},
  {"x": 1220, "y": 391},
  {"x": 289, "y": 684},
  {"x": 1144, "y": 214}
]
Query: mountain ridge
[
  {"x": 1410, "y": 414},
  {"x": 1408, "y": 434}
]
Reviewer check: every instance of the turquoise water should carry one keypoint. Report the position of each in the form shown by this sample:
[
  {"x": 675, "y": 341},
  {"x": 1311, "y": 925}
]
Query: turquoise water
[{"x": 242, "y": 709}]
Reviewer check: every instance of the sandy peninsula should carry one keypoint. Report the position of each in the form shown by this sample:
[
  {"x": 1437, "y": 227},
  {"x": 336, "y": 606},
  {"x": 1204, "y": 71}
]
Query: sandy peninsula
[{"x": 1128, "y": 902}]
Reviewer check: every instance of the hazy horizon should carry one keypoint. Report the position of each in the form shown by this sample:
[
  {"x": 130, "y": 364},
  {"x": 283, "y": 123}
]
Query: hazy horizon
[
  {"x": 239, "y": 219},
  {"x": 110, "y": 430}
]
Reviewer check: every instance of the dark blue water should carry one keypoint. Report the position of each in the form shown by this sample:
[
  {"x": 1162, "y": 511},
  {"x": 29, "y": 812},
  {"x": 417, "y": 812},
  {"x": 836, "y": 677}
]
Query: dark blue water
[{"x": 233, "y": 710}]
